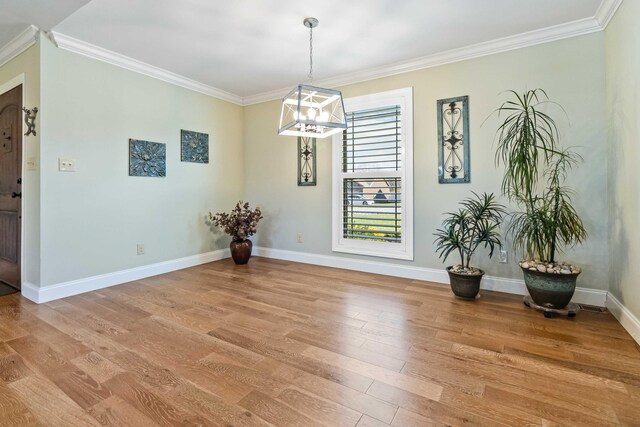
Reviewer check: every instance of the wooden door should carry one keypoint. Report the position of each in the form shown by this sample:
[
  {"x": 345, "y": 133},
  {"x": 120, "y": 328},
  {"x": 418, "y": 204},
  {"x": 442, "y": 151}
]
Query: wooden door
[{"x": 10, "y": 185}]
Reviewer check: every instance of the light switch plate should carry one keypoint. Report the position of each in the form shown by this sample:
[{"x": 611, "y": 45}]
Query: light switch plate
[
  {"x": 31, "y": 164},
  {"x": 66, "y": 165}
]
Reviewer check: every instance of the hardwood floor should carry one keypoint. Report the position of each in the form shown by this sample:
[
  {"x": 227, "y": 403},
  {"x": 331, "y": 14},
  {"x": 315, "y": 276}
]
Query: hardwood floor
[{"x": 286, "y": 344}]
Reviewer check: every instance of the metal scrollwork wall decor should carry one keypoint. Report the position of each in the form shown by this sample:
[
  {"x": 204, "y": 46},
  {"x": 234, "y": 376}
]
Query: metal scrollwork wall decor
[
  {"x": 306, "y": 161},
  {"x": 30, "y": 120},
  {"x": 147, "y": 158},
  {"x": 453, "y": 140}
]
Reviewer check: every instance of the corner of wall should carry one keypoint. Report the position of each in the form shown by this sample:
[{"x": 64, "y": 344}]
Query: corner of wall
[{"x": 622, "y": 65}]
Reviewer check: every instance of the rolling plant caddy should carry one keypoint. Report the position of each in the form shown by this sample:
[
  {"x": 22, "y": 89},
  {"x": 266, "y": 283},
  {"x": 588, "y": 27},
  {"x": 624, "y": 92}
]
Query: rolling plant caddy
[{"x": 546, "y": 223}]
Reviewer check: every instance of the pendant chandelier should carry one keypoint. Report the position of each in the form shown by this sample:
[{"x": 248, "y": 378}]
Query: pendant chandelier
[{"x": 312, "y": 111}]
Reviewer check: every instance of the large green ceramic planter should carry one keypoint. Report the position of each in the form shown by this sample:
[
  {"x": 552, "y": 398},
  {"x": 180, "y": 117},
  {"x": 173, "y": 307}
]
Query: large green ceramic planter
[{"x": 549, "y": 289}]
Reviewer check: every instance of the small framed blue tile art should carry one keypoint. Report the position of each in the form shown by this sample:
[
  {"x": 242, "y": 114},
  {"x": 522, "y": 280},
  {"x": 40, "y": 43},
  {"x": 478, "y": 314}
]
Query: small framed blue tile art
[
  {"x": 194, "y": 146},
  {"x": 147, "y": 158}
]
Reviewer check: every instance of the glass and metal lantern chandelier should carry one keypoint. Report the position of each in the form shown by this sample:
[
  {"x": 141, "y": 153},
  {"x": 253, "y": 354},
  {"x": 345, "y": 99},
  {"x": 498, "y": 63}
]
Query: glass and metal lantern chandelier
[{"x": 311, "y": 111}]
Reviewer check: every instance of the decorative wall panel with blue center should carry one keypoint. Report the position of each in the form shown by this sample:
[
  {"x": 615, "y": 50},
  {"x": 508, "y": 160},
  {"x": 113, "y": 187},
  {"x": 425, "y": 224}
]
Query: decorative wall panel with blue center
[
  {"x": 194, "y": 146},
  {"x": 453, "y": 140},
  {"x": 147, "y": 158}
]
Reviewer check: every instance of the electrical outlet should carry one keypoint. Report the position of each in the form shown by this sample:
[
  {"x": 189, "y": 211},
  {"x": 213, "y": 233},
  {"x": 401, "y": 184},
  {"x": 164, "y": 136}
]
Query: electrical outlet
[
  {"x": 66, "y": 165},
  {"x": 140, "y": 248},
  {"x": 300, "y": 238},
  {"x": 504, "y": 256}
]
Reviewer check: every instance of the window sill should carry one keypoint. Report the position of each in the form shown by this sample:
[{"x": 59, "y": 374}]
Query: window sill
[{"x": 374, "y": 253}]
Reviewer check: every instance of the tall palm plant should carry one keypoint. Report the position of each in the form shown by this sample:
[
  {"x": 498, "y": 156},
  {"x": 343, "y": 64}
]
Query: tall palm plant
[{"x": 528, "y": 146}]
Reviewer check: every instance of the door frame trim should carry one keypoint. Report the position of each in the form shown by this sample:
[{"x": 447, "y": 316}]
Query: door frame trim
[{"x": 4, "y": 88}]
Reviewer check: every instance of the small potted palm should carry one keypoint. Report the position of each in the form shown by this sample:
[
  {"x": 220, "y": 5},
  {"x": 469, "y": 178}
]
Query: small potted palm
[{"x": 477, "y": 222}]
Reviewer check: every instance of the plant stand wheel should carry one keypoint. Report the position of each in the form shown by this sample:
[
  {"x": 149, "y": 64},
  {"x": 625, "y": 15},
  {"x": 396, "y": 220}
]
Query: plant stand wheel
[{"x": 570, "y": 310}]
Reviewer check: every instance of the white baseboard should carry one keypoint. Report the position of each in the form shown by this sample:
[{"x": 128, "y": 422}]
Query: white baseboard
[
  {"x": 490, "y": 283},
  {"x": 29, "y": 291},
  {"x": 626, "y": 318},
  {"x": 500, "y": 284},
  {"x": 75, "y": 287},
  {"x": 595, "y": 297}
]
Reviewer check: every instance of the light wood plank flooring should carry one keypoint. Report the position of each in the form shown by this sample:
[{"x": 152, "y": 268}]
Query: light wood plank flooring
[{"x": 287, "y": 344}]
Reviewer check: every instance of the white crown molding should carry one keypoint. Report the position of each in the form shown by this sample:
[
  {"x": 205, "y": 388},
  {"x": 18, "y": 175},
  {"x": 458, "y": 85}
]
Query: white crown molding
[
  {"x": 598, "y": 22},
  {"x": 518, "y": 41},
  {"x": 626, "y": 318},
  {"x": 87, "y": 49},
  {"x": 272, "y": 95},
  {"x": 490, "y": 283},
  {"x": 22, "y": 42},
  {"x": 606, "y": 10},
  {"x": 62, "y": 290}
]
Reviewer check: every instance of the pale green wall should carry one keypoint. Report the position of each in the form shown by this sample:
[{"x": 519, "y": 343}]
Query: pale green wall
[
  {"x": 622, "y": 46},
  {"x": 92, "y": 219},
  {"x": 571, "y": 71},
  {"x": 28, "y": 63}
]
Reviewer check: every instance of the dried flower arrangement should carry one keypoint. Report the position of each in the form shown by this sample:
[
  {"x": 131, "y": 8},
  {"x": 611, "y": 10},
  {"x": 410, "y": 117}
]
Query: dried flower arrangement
[{"x": 240, "y": 223}]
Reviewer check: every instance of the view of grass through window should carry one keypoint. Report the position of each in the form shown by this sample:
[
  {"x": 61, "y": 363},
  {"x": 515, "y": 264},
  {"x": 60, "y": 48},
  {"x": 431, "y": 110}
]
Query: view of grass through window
[{"x": 372, "y": 202}]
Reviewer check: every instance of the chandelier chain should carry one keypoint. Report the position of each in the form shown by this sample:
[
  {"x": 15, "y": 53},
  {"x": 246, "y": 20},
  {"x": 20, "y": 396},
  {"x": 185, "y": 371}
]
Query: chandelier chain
[{"x": 311, "y": 54}]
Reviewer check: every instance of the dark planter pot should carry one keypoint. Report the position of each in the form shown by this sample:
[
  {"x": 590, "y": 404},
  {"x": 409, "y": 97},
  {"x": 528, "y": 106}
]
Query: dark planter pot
[
  {"x": 465, "y": 286},
  {"x": 241, "y": 251},
  {"x": 549, "y": 289}
]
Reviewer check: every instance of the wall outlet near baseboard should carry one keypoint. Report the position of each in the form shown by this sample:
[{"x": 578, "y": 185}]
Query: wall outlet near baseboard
[
  {"x": 503, "y": 258},
  {"x": 140, "y": 249},
  {"x": 300, "y": 237}
]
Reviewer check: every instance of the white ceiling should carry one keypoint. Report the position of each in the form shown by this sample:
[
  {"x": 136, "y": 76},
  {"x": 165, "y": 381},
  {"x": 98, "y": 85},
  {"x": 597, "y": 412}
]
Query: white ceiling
[
  {"x": 249, "y": 47},
  {"x": 18, "y": 15}
]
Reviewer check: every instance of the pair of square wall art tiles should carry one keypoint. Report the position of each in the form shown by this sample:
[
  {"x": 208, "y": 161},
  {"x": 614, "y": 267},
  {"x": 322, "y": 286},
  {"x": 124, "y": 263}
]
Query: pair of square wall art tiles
[{"x": 148, "y": 158}]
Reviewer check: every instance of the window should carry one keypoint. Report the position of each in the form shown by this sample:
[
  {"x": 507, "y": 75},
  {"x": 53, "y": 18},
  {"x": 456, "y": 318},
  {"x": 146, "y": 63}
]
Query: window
[{"x": 373, "y": 177}]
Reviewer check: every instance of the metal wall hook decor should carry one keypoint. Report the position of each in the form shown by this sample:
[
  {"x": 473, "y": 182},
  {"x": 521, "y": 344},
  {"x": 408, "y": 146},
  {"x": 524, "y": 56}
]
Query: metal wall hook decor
[
  {"x": 453, "y": 140},
  {"x": 30, "y": 120}
]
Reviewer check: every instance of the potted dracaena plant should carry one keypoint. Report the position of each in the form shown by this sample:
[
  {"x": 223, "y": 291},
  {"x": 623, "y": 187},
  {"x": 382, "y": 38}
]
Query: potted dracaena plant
[
  {"x": 476, "y": 222},
  {"x": 240, "y": 224},
  {"x": 546, "y": 221}
]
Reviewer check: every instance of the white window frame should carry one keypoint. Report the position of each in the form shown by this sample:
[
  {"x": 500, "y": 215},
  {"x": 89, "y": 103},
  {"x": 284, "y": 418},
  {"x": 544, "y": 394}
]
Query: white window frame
[{"x": 404, "y": 249}]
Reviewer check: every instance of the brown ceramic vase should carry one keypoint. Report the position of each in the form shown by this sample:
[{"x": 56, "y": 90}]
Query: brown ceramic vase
[{"x": 241, "y": 251}]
